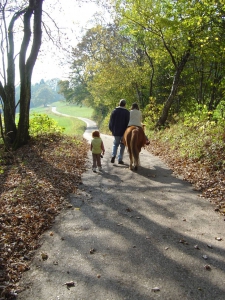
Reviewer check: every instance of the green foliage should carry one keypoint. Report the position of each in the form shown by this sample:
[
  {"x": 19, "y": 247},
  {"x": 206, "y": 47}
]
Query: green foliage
[
  {"x": 151, "y": 113},
  {"x": 201, "y": 116},
  {"x": 197, "y": 136},
  {"x": 42, "y": 124},
  {"x": 104, "y": 126},
  {"x": 219, "y": 113},
  {"x": 198, "y": 116},
  {"x": 139, "y": 56}
]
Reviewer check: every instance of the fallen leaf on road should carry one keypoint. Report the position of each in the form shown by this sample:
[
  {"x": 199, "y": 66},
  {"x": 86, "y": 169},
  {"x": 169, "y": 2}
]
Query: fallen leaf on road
[
  {"x": 196, "y": 247},
  {"x": 183, "y": 242},
  {"x": 69, "y": 284},
  {"x": 218, "y": 238},
  {"x": 207, "y": 267},
  {"x": 44, "y": 256},
  {"x": 155, "y": 289},
  {"x": 92, "y": 251},
  {"x": 205, "y": 256},
  {"x": 129, "y": 209}
]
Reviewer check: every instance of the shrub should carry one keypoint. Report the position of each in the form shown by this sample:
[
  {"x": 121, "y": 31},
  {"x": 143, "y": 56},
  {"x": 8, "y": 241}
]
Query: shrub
[{"x": 42, "y": 124}]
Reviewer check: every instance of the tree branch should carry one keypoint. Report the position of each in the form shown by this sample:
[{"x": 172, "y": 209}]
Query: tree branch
[{"x": 37, "y": 35}]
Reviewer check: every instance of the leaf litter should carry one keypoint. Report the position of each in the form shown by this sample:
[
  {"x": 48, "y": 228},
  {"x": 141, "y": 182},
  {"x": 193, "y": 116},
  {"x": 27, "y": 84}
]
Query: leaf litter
[{"x": 35, "y": 182}]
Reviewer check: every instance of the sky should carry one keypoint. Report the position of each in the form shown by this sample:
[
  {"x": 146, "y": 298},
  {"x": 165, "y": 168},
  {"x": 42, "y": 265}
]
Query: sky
[{"x": 73, "y": 19}]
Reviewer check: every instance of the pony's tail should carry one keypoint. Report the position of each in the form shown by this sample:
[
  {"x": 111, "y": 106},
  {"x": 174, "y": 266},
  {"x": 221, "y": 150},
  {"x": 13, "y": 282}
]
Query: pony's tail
[{"x": 134, "y": 146}]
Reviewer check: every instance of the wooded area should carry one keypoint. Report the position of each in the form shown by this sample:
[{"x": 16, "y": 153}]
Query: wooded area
[{"x": 166, "y": 55}]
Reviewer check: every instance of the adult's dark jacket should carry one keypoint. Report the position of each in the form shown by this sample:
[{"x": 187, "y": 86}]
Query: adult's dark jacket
[{"x": 119, "y": 120}]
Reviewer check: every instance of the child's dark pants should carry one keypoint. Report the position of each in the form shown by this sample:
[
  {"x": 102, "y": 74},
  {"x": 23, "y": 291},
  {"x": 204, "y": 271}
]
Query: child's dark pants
[{"x": 96, "y": 160}]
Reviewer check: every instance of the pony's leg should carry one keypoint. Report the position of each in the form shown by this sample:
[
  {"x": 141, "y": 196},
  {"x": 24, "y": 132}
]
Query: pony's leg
[
  {"x": 134, "y": 147},
  {"x": 131, "y": 161},
  {"x": 129, "y": 149},
  {"x": 135, "y": 164}
]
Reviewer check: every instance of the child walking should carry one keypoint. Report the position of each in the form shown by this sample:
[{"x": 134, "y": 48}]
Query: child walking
[{"x": 97, "y": 148}]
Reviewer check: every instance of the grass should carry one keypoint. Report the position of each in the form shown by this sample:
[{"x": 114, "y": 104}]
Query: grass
[
  {"x": 74, "y": 110},
  {"x": 65, "y": 108},
  {"x": 72, "y": 126}
]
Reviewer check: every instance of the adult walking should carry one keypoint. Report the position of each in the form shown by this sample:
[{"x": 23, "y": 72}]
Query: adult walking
[{"x": 118, "y": 122}]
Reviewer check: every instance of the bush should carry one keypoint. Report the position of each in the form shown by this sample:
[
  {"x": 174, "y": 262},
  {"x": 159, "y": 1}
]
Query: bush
[
  {"x": 42, "y": 124},
  {"x": 196, "y": 135}
]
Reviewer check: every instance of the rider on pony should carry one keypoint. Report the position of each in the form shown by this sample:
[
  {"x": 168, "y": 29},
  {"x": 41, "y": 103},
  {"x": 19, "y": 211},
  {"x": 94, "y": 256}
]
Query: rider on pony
[{"x": 136, "y": 119}]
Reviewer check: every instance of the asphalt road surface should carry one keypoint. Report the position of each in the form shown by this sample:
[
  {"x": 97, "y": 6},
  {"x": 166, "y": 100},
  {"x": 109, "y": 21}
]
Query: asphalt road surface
[{"x": 131, "y": 235}]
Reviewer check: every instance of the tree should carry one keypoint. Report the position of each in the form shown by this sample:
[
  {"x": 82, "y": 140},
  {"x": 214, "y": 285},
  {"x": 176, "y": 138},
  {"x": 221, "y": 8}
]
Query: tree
[
  {"x": 107, "y": 64},
  {"x": 182, "y": 31},
  {"x": 44, "y": 93},
  {"x": 43, "y": 96},
  {"x": 25, "y": 15},
  {"x": 165, "y": 23}
]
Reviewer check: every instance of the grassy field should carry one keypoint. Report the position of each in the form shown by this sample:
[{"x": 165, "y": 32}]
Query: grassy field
[
  {"x": 72, "y": 126},
  {"x": 74, "y": 110},
  {"x": 63, "y": 107}
]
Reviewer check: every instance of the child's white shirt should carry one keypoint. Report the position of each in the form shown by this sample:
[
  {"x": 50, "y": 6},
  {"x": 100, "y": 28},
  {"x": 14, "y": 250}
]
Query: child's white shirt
[{"x": 135, "y": 118}]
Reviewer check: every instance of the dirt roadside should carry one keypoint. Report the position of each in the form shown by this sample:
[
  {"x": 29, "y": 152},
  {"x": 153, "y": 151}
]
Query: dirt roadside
[{"x": 131, "y": 235}]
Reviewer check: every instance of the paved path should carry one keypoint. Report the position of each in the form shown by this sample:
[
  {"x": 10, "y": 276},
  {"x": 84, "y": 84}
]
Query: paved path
[{"x": 131, "y": 235}]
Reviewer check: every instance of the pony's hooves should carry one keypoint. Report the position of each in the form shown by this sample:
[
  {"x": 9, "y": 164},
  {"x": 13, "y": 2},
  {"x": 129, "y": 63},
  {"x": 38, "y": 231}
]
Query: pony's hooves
[{"x": 135, "y": 168}]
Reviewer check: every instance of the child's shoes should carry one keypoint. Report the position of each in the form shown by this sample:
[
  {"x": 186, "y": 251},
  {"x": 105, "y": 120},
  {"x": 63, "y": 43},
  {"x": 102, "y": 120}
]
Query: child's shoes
[{"x": 94, "y": 170}]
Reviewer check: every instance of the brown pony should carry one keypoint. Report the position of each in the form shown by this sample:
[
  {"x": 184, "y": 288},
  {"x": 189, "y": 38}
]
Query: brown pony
[{"x": 134, "y": 139}]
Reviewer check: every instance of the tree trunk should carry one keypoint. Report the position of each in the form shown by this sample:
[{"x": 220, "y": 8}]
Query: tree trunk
[
  {"x": 162, "y": 119},
  {"x": 152, "y": 74},
  {"x": 19, "y": 136},
  {"x": 26, "y": 68},
  {"x": 8, "y": 91},
  {"x": 9, "y": 114}
]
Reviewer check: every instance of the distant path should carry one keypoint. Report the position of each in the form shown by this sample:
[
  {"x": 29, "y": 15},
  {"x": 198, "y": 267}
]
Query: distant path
[{"x": 91, "y": 125}]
